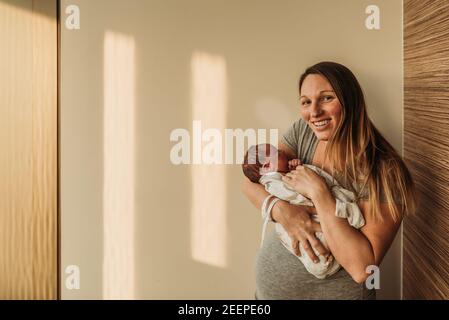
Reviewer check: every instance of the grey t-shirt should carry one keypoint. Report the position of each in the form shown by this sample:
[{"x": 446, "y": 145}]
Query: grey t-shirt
[
  {"x": 301, "y": 139},
  {"x": 281, "y": 275}
]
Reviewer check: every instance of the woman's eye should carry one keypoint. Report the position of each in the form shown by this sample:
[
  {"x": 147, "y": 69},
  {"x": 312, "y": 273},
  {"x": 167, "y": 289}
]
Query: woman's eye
[
  {"x": 328, "y": 98},
  {"x": 305, "y": 103}
]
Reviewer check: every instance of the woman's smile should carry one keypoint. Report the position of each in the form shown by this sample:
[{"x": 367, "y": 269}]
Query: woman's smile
[{"x": 321, "y": 124}]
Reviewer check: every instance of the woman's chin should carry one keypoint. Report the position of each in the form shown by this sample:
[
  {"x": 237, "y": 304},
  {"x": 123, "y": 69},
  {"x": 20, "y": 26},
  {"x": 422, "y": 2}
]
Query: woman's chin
[{"x": 323, "y": 136}]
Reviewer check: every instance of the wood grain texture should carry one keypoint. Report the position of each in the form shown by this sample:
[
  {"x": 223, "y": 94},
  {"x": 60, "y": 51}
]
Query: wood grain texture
[
  {"x": 426, "y": 147},
  {"x": 28, "y": 142}
]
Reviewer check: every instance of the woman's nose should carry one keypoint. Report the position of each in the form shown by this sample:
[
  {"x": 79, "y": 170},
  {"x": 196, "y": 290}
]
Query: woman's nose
[{"x": 315, "y": 109}]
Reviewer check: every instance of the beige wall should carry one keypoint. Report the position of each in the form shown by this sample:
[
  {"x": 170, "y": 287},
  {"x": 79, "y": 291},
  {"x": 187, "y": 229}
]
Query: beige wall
[{"x": 130, "y": 218}]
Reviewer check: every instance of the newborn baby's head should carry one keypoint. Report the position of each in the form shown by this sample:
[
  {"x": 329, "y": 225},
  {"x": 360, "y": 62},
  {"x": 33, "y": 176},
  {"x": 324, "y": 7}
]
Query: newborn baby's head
[{"x": 263, "y": 158}]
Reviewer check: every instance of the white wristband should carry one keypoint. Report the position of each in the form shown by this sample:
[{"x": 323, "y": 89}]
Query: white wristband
[
  {"x": 266, "y": 214},
  {"x": 270, "y": 207},
  {"x": 264, "y": 208}
]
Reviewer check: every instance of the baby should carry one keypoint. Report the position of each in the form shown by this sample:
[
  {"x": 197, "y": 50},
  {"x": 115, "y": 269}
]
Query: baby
[{"x": 266, "y": 165}]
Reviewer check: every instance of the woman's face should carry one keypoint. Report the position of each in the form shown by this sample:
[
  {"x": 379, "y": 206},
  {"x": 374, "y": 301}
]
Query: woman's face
[{"x": 320, "y": 107}]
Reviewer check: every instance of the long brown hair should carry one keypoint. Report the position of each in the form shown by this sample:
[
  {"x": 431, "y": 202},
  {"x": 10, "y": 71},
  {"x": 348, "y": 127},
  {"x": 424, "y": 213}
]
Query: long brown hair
[{"x": 359, "y": 151}]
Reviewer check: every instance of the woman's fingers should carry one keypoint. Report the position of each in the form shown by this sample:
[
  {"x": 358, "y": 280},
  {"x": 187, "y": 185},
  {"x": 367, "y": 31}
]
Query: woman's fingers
[
  {"x": 288, "y": 175},
  {"x": 308, "y": 249},
  {"x": 294, "y": 174},
  {"x": 318, "y": 246},
  {"x": 316, "y": 227},
  {"x": 289, "y": 179},
  {"x": 295, "y": 246},
  {"x": 307, "y": 246}
]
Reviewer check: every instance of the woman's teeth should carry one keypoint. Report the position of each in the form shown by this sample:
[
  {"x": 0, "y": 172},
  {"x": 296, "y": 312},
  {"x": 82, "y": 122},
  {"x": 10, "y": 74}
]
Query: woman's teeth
[{"x": 321, "y": 123}]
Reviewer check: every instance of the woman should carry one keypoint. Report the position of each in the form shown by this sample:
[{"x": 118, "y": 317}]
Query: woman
[{"x": 334, "y": 133}]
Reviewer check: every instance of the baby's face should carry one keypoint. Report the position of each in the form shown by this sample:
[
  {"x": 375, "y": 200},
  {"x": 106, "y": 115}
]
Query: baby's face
[{"x": 277, "y": 162}]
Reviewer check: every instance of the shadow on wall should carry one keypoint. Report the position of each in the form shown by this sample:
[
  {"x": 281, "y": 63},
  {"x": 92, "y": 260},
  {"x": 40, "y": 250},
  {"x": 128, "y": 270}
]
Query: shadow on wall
[{"x": 28, "y": 5}]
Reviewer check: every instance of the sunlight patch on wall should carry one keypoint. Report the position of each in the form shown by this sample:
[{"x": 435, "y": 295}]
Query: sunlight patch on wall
[
  {"x": 119, "y": 153},
  {"x": 208, "y": 211}
]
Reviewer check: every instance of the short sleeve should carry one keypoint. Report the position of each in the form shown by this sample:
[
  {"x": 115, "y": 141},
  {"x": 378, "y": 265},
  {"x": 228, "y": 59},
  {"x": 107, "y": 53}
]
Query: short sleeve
[
  {"x": 301, "y": 139},
  {"x": 291, "y": 137}
]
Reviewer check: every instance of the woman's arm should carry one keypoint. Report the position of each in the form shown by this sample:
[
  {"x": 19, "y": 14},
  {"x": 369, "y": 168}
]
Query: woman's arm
[
  {"x": 354, "y": 249},
  {"x": 295, "y": 220}
]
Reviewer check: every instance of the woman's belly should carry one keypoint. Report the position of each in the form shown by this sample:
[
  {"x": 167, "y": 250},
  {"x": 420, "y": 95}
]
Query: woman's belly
[{"x": 281, "y": 275}]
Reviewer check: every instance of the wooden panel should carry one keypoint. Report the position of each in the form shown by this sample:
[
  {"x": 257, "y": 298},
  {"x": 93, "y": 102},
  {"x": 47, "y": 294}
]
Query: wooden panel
[
  {"x": 28, "y": 142},
  {"x": 426, "y": 147}
]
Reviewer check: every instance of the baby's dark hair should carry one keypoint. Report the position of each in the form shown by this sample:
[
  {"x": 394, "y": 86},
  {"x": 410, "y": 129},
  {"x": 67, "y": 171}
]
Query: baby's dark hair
[{"x": 254, "y": 159}]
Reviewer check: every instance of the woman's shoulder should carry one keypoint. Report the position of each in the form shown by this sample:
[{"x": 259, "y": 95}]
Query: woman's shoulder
[
  {"x": 300, "y": 126},
  {"x": 301, "y": 139}
]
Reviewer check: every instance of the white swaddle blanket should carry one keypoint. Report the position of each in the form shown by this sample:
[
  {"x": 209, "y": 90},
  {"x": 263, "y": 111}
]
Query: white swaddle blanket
[{"x": 346, "y": 208}]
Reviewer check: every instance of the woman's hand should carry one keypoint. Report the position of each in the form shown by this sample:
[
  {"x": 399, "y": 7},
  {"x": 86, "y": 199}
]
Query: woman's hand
[
  {"x": 305, "y": 181},
  {"x": 300, "y": 227}
]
